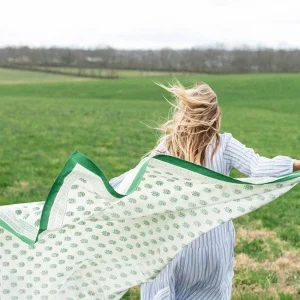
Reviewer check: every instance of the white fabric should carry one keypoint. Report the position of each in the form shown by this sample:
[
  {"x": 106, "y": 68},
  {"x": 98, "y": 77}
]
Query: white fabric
[{"x": 97, "y": 244}]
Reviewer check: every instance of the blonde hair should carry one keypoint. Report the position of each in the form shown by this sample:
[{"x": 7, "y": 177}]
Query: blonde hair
[{"x": 195, "y": 122}]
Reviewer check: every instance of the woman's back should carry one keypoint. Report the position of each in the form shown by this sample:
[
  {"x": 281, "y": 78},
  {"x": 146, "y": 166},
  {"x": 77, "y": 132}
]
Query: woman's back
[{"x": 218, "y": 163}]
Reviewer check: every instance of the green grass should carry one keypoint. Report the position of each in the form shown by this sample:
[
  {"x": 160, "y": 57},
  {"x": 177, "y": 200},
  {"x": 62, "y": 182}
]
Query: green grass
[
  {"x": 259, "y": 248},
  {"x": 46, "y": 117},
  {"x": 252, "y": 277}
]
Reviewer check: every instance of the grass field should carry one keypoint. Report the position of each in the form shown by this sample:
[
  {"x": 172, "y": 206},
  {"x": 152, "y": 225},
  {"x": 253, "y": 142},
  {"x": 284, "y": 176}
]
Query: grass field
[
  {"x": 109, "y": 72},
  {"x": 44, "y": 117},
  {"x": 10, "y": 76}
]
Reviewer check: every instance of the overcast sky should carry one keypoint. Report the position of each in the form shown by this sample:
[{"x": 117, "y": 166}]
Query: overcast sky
[{"x": 138, "y": 24}]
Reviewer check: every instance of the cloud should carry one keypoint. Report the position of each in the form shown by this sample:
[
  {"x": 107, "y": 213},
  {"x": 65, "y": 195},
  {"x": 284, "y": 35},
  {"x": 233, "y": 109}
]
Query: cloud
[{"x": 152, "y": 24}]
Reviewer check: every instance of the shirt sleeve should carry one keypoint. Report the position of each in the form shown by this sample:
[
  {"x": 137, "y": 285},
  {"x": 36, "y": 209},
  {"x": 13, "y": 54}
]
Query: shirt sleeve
[
  {"x": 116, "y": 181},
  {"x": 122, "y": 182},
  {"x": 244, "y": 159}
]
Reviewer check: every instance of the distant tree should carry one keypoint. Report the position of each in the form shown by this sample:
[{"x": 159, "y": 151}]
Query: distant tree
[
  {"x": 67, "y": 57},
  {"x": 214, "y": 59}
]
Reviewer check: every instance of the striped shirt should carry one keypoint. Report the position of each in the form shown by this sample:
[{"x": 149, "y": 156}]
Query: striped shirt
[{"x": 204, "y": 269}]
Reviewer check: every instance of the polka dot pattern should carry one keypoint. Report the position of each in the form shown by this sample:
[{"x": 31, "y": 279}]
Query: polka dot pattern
[{"x": 96, "y": 245}]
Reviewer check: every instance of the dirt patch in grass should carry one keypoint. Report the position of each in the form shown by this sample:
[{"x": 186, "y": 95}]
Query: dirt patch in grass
[
  {"x": 257, "y": 276},
  {"x": 259, "y": 244},
  {"x": 251, "y": 234},
  {"x": 243, "y": 262},
  {"x": 19, "y": 187}
]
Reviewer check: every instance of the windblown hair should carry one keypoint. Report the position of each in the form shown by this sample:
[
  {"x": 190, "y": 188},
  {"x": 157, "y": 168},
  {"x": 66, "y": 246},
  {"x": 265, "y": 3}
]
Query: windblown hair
[{"x": 195, "y": 122}]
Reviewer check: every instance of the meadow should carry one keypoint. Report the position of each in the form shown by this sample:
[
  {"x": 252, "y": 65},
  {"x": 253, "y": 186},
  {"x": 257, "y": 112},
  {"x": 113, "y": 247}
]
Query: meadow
[
  {"x": 107, "y": 72},
  {"x": 44, "y": 117}
]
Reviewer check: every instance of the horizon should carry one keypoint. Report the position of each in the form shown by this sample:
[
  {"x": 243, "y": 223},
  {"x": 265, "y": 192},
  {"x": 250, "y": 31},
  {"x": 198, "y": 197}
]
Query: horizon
[{"x": 204, "y": 47}]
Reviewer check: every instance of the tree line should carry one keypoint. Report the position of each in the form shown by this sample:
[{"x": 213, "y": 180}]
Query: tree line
[{"x": 200, "y": 60}]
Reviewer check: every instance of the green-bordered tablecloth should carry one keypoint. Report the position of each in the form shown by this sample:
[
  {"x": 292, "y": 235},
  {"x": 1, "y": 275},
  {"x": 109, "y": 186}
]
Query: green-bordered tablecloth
[{"x": 86, "y": 241}]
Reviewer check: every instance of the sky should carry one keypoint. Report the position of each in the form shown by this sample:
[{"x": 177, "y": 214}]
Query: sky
[{"x": 152, "y": 24}]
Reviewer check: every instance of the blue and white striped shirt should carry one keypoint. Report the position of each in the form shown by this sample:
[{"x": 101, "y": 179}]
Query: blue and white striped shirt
[{"x": 204, "y": 269}]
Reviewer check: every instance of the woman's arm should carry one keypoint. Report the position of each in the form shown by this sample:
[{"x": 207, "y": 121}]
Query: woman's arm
[{"x": 238, "y": 156}]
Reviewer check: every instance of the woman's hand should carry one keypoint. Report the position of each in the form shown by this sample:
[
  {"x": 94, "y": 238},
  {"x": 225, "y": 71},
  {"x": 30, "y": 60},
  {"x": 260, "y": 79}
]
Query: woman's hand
[{"x": 296, "y": 165}]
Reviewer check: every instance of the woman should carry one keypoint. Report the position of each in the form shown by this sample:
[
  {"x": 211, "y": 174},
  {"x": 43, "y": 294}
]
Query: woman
[{"x": 204, "y": 269}]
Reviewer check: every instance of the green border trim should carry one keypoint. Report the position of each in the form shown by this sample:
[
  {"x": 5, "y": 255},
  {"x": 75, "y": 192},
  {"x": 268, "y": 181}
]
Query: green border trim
[
  {"x": 22, "y": 237},
  {"x": 200, "y": 170},
  {"x": 78, "y": 157},
  {"x": 136, "y": 182},
  {"x": 213, "y": 174}
]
